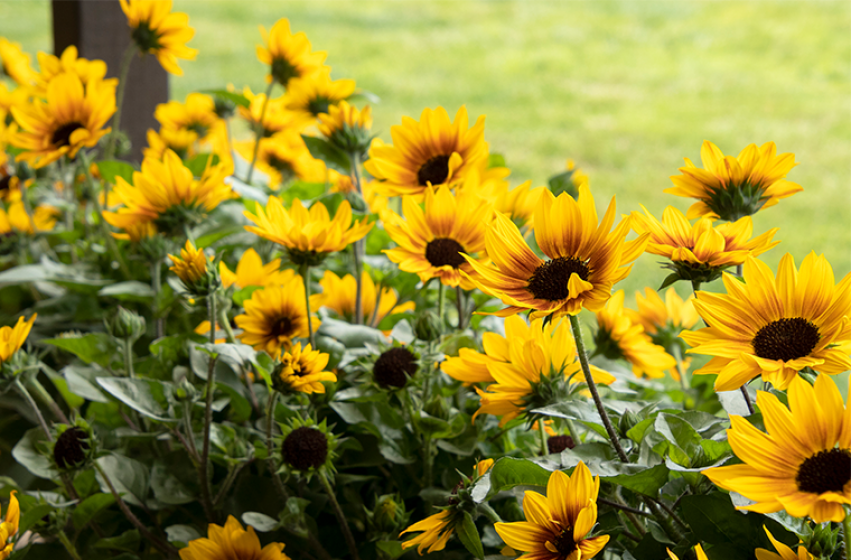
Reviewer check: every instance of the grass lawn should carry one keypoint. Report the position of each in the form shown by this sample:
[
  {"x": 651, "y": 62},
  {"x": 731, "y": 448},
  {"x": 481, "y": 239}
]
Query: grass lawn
[{"x": 626, "y": 89}]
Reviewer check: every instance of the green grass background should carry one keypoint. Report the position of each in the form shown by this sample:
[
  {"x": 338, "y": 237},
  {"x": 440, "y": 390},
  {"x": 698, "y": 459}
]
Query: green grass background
[{"x": 626, "y": 89}]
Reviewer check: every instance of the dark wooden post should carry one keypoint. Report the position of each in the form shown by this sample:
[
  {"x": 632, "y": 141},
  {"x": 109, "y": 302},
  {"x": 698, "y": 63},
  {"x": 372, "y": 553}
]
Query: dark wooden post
[{"x": 99, "y": 30}]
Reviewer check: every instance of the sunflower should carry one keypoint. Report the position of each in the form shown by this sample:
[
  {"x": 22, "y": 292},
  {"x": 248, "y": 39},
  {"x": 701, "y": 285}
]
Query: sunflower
[
  {"x": 731, "y": 187},
  {"x": 276, "y": 118},
  {"x": 302, "y": 370},
  {"x": 166, "y": 194},
  {"x": 179, "y": 140},
  {"x": 9, "y": 526},
  {"x": 429, "y": 153},
  {"x": 775, "y": 327},
  {"x": 700, "y": 252},
  {"x": 339, "y": 294},
  {"x": 284, "y": 157},
  {"x": 50, "y": 66},
  {"x": 274, "y": 316},
  {"x": 191, "y": 265},
  {"x": 314, "y": 94},
  {"x": 663, "y": 321},
  {"x": 518, "y": 203},
  {"x": 698, "y": 551},
  {"x": 16, "y": 218},
  {"x": 618, "y": 338},
  {"x": 288, "y": 55},
  {"x": 159, "y": 31},
  {"x": 586, "y": 258},
  {"x": 72, "y": 118},
  {"x": 471, "y": 366},
  {"x": 310, "y": 235},
  {"x": 557, "y": 524},
  {"x": 250, "y": 271},
  {"x": 436, "y": 530},
  {"x": 803, "y": 463},
  {"x": 370, "y": 190},
  {"x": 12, "y": 338},
  {"x": 346, "y": 127},
  {"x": 231, "y": 542},
  {"x": 432, "y": 243},
  {"x": 15, "y": 63},
  {"x": 783, "y": 551},
  {"x": 197, "y": 114}
]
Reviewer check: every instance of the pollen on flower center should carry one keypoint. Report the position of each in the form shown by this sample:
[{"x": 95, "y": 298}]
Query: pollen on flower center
[
  {"x": 62, "y": 135},
  {"x": 444, "y": 252},
  {"x": 786, "y": 339},
  {"x": 281, "y": 327},
  {"x": 549, "y": 281},
  {"x": 563, "y": 543},
  {"x": 434, "y": 171},
  {"x": 828, "y": 470}
]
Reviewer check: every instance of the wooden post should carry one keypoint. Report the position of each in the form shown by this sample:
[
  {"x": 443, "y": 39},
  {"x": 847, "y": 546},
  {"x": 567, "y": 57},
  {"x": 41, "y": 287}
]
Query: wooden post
[{"x": 99, "y": 30}]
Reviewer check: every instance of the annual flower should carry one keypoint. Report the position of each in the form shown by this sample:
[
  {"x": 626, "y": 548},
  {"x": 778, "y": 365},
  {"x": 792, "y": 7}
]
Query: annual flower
[
  {"x": 436, "y": 530},
  {"x": 339, "y": 294},
  {"x": 302, "y": 370},
  {"x": 50, "y": 66},
  {"x": 284, "y": 158},
  {"x": 307, "y": 446},
  {"x": 394, "y": 367},
  {"x": 250, "y": 271},
  {"x": 288, "y": 55},
  {"x": 698, "y": 551},
  {"x": 274, "y": 316},
  {"x": 231, "y": 542},
  {"x": 179, "y": 140},
  {"x": 15, "y": 63},
  {"x": 783, "y": 552},
  {"x": 9, "y": 526},
  {"x": 664, "y": 320},
  {"x": 732, "y": 187},
  {"x": 517, "y": 203},
  {"x": 16, "y": 219},
  {"x": 314, "y": 94},
  {"x": 191, "y": 265},
  {"x": 276, "y": 117},
  {"x": 557, "y": 525},
  {"x": 346, "y": 127},
  {"x": 12, "y": 338},
  {"x": 159, "y": 31},
  {"x": 802, "y": 462},
  {"x": 197, "y": 114},
  {"x": 775, "y": 327}
]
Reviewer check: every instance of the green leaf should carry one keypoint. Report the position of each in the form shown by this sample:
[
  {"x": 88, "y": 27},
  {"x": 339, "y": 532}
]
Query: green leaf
[
  {"x": 641, "y": 479},
  {"x": 496, "y": 160},
  {"x": 131, "y": 290},
  {"x": 89, "y": 508},
  {"x": 331, "y": 155},
  {"x": 26, "y": 453},
  {"x": 199, "y": 163},
  {"x": 683, "y": 441},
  {"x": 33, "y": 516},
  {"x": 261, "y": 522},
  {"x": 146, "y": 396},
  {"x": 391, "y": 549},
  {"x": 352, "y": 336},
  {"x": 79, "y": 380},
  {"x": 92, "y": 347},
  {"x": 563, "y": 182},
  {"x": 509, "y": 472},
  {"x": 129, "y": 476},
  {"x": 217, "y": 235},
  {"x": 111, "y": 169},
  {"x": 181, "y": 534},
  {"x": 469, "y": 536},
  {"x": 231, "y": 96},
  {"x": 174, "y": 480},
  {"x": 240, "y": 296},
  {"x": 127, "y": 541}
]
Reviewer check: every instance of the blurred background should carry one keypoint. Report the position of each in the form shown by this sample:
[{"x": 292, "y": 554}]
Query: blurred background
[{"x": 625, "y": 89}]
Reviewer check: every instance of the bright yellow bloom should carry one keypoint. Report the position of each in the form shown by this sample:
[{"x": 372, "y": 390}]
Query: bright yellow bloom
[
  {"x": 803, "y": 463},
  {"x": 518, "y": 203},
  {"x": 231, "y": 542},
  {"x": 196, "y": 114},
  {"x": 341, "y": 116},
  {"x": 429, "y": 153},
  {"x": 303, "y": 370},
  {"x": 161, "y": 32},
  {"x": 250, "y": 271},
  {"x": 701, "y": 555},
  {"x": 656, "y": 315},
  {"x": 483, "y": 466},
  {"x": 432, "y": 243},
  {"x": 277, "y": 118},
  {"x": 137, "y": 232},
  {"x": 284, "y": 157},
  {"x": 472, "y": 367},
  {"x": 89, "y": 71},
  {"x": 15, "y": 63},
  {"x": 731, "y": 187},
  {"x": 307, "y": 234},
  {"x": 274, "y": 316},
  {"x": 9, "y": 526},
  {"x": 16, "y": 218},
  {"x": 556, "y": 524},
  {"x": 619, "y": 338},
  {"x": 587, "y": 259},
  {"x": 288, "y": 55},
  {"x": 12, "y": 338},
  {"x": 785, "y": 553},
  {"x": 339, "y": 294},
  {"x": 314, "y": 94},
  {"x": 191, "y": 265},
  {"x": 775, "y": 327},
  {"x": 180, "y": 140},
  {"x": 73, "y": 118},
  {"x": 436, "y": 529}
]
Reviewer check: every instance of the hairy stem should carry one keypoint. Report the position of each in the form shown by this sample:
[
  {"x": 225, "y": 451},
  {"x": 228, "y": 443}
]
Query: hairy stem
[
  {"x": 27, "y": 397},
  {"x": 341, "y": 517},
  {"x": 206, "y": 491},
  {"x": 44, "y": 397},
  {"x": 157, "y": 286},
  {"x": 128, "y": 358},
  {"x": 545, "y": 450},
  {"x": 69, "y": 546},
  {"x": 258, "y": 134},
  {"x": 224, "y": 322}
]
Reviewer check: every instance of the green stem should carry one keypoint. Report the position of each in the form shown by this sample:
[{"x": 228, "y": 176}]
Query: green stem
[
  {"x": 341, "y": 518},
  {"x": 485, "y": 508},
  {"x": 846, "y": 532},
  {"x": 441, "y": 303},
  {"x": 229, "y": 480},
  {"x": 358, "y": 248},
  {"x": 305, "y": 274},
  {"x": 224, "y": 322},
  {"x": 190, "y": 435},
  {"x": 108, "y": 239},
  {"x": 71, "y": 199},
  {"x": 27, "y": 397},
  {"x": 63, "y": 538},
  {"x": 206, "y": 491},
  {"x": 258, "y": 135},
  {"x": 28, "y": 208},
  {"x": 571, "y": 431},
  {"x": 157, "y": 286},
  {"x": 459, "y": 305},
  {"x": 44, "y": 397},
  {"x": 545, "y": 449},
  {"x": 128, "y": 358},
  {"x": 124, "y": 69}
]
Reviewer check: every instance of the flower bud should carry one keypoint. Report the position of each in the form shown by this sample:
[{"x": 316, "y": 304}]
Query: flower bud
[
  {"x": 73, "y": 448},
  {"x": 305, "y": 448},
  {"x": 393, "y": 368},
  {"x": 821, "y": 540},
  {"x": 389, "y": 515},
  {"x": 126, "y": 324},
  {"x": 427, "y": 326},
  {"x": 627, "y": 421}
]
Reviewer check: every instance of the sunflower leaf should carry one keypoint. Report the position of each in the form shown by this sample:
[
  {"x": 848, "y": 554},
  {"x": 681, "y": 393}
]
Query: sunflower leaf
[
  {"x": 469, "y": 536},
  {"x": 332, "y": 156}
]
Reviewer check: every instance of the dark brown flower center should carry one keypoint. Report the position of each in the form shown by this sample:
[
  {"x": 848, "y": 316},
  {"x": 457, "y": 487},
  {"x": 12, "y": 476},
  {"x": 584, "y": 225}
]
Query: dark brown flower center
[
  {"x": 70, "y": 448},
  {"x": 198, "y": 128},
  {"x": 564, "y": 542},
  {"x": 557, "y": 444},
  {"x": 444, "y": 252},
  {"x": 284, "y": 167},
  {"x": 549, "y": 281},
  {"x": 318, "y": 104},
  {"x": 62, "y": 135},
  {"x": 283, "y": 326},
  {"x": 146, "y": 38},
  {"x": 434, "y": 171},
  {"x": 304, "y": 448},
  {"x": 828, "y": 470},
  {"x": 5, "y": 185},
  {"x": 394, "y": 367},
  {"x": 786, "y": 339}
]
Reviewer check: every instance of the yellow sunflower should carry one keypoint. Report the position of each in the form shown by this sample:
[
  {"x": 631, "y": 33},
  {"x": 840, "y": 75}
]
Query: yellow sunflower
[
  {"x": 72, "y": 119},
  {"x": 180, "y": 140},
  {"x": 436, "y": 530},
  {"x": 10, "y": 98},
  {"x": 196, "y": 114},
  {"x": 276, "y": 118},
  {"x": 303, "y": 370},
  {"x": 231, "y": 542},
  {"x": 339, "y": 294},
  {"x": 314, "y": 94},
  {"x": 775, "y": 327},
  {"x": 518, "y": 203},
  {"x": 783, "y": 552},
  {"x": 377, "y": 203},
  {"x": 698, "y": 550},
  {"x": 288, "y": 55},
  {"x": 159, "y": 31},
  {"x": 471, "y": 366},
  {"x": 166, "y": 194},
  {"x": 308, "y": 235},
  {"x": 191, "y": 265},
  {"x": 12, "y": 338},
  {"x": 274, "y": 316},
  {"x": 429, "y": 153},
  {"x": 619, "y": 338},
  {"x": 656, "y": 315},
  {"x": 250, "y": 271},
  {"x": 16, "y": 218},
  {"x": 341, "y": 118},
  {"x": 803, "y": 463},
  {"x": 9, "y": 526},
  {"x": 432, "y": 243},
  {"x": 15, "y": 63},
  {"x": 284, "y": 158},
  {"x": 586, "y": 258},
  {"x": 557, "y": 524},
  {"x": 732, "y": 187},
  {"x": 88, "y": 71}
]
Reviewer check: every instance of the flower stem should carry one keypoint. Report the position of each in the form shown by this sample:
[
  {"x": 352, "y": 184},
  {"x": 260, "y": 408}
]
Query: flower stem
[
  {"x": 359, "y": 247},
  {"x": 157, "y": 286},
  {"x": 489, "y": 512},
  {"x": 42, "y": 395},
  {"x": 224, "y": 322},
  {"x": 124, "y": 69},
  {"x": 27, "y": 397},
  {"x": 206, "y": 491},
  {"x": 128, "y": 358},
  {"x": 545, "y": 450},
  {"x": 592, "y": 386},
  {"x": 305, "y": 274},
  {"x": 69, "y": 546},
  {"x": 341, "y": 518},
  {"x": 441, "y": 303},
  {"x": 259, "y": 131},
  {"x": 846, "y": 532}
]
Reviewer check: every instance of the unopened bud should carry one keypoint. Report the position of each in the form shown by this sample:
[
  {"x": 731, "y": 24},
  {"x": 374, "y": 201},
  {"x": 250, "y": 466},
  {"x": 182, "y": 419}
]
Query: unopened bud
[
  {"x": 126, "y": 324},
  {"x": 427, "y": 326}
]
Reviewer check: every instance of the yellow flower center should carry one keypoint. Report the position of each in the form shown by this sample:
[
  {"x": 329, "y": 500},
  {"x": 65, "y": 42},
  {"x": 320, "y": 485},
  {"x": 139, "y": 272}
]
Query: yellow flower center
[
  {"x": 434, "y": 171},
  {"x": 62, "y": 135},
  {"x": 549, "y": 281},
  {"x": 444, "y": 252},
  {"x": 828, "y": 470},
  {"x": 786, "y": 339}
]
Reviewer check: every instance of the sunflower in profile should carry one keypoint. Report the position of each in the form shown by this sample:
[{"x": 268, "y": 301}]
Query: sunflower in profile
[
  {"x": 700, "y": 252},
  {"x": 664, "y": 320},
  {"x": 231, "y": 542},
  {"x": 15, "y": 63},
  {"x": 586, "y": 259},
  {"x": 429, "y": 153},
  {"x": 197, "y": 114},
  {"x": 16, "y": 217},
  {"x": 803, "y": 463},
  {"x": 431, "y": 243},
  {"x": 73, "y": 118},
  {"x": 11, "y": 340},
  {"x": 250, "y": 271},
  {"x": 276, "y": 118},
  {"x": 159, "y": 31},
  {"x": 288, "y": 55},
  {"x": 302, "y": 370},
  {"x": 618, "y": 338},
  {"x": 339, "y": 294},
  {"x": 274, "y": 316},
  {"x": 436, "y": 530},
  {"x": 346, "y": 127},
  {"x": 517, "y": 203},
  {"x": 557, "y": 525},
  {"x": 731, "y": 187},
  {"x": 471, "y": 366},
  {"x": 775, "y": 327},
  {"x": 783, "y": 551},
  {"x": 88, "y": 71},
  {"x": 314, "y": 94},
  {"x": 284, "y": 158},
  {"x": 179, "y": 140},
  {"x": 9, "y": 526}
]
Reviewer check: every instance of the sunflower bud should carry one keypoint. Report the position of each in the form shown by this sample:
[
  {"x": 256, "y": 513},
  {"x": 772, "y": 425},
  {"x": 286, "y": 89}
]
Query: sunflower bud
[
  {"x": 185, "y": 391},
  {"x": 427, "y": 326},
  {"x": 389, "y": 515},
  {"x": 74, "y": 447},
  {"x": 346, "y": 128},
  {"x": 191, "y": 267},
  {"x": 627, "y": 421},
  {"x": 126, "y": 324},
  {"x": 305, "y": 448},
  {"x": 821, "y": 540},
  {"x": 394, "y": 367}
]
